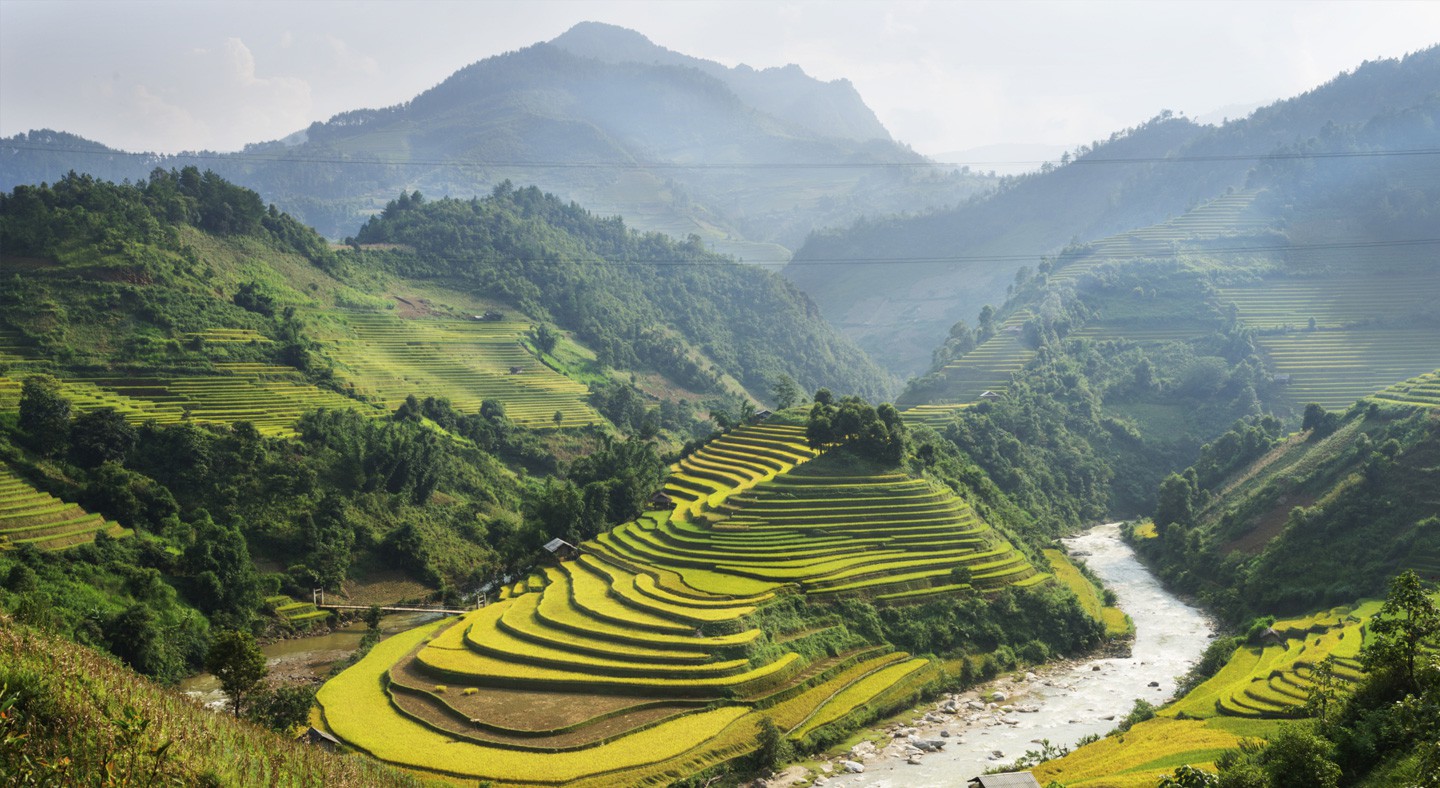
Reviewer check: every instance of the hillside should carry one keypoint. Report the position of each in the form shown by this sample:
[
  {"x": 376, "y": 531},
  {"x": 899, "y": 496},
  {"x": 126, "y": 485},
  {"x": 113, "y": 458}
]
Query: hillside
[
  {"x": 1321, "y": 517},
  {"x": 667, "y": 645},
  {"x": 942, "y": 267},
  {"x": 628, "y": 296},
  {"x": 751, "y": 161},
  {"x": 72, "y": 716}
]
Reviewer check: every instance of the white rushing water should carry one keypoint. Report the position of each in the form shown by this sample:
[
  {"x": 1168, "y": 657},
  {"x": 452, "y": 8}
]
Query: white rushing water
[{"x": 1073, "y": 701}]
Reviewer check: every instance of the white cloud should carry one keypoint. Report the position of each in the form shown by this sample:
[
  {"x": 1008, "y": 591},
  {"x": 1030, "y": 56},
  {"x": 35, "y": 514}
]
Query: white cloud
[{"x": 347, "y": 61}]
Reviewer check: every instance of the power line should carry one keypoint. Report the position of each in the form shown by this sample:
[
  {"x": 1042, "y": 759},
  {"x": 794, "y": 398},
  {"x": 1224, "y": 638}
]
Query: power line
[
  {"x": 1138, "y": 254},
  {"x": 241, "y": 157}
]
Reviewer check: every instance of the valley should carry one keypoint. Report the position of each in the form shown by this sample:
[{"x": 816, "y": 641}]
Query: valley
[{"x": 686, "y": 518}]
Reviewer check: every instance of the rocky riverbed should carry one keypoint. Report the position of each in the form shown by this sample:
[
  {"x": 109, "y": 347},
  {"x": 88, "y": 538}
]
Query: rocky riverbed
[{"x": 966, "y": 734}]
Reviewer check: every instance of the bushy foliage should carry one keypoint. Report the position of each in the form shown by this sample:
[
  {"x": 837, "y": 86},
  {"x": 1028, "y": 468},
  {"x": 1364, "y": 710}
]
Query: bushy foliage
[{"x": 876, "y": 433}]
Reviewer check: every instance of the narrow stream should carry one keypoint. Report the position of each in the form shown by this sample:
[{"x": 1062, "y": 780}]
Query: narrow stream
[
  {"x": 1066, "y": 703},
  {"x": 307, "y": 658}
]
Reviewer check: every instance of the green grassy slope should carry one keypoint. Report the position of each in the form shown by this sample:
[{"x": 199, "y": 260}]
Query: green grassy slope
[{"x": 70, "y": 716}]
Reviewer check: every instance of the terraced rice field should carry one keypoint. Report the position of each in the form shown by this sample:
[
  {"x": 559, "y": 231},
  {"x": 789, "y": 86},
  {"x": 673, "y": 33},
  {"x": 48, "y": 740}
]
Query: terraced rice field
[
  {"x": 640, "y": 662},
  {"x": 1422, "y": 390},
  {"x": 980, "y": 374},
  {"x": 28, "y": 516},
  {"x": 600, "y": 671},
  {"x": 934, "y": 416},
  {"x": 828, "y": 535},
  {"x": 1273, "y": 681},
  {"x": 1145, "y": 332},
  {"x": 295, "y": 612},
  {"x": 1258, "y": 687},
  {"x": 387, "y": 359},
  {"x": 1150, "y": 749},
  {"x": 1334, "y": 302},
  {"x": 736, "y": 461},
  {"x": 270, "y": 397},
  {"x": 1337, "y": 367},
  {"x": 1223, "y": 216}
]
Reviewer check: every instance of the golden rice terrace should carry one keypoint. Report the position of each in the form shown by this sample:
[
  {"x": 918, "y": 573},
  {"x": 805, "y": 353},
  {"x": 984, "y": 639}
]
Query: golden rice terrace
[{"x": 648, "y": 656}]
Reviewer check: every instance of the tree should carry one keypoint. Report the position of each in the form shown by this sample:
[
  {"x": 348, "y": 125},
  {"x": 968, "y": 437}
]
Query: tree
[
  {"x": 785, "y": 392},
  {"x": 44, "y": 414},
  {"x": 545, "y": 338},
  {"x": 101, "y": 436},
  {"x": 237, "y": 662},
  {"x": 1188, "y": 776},
  {"x": 1174, "y": 504},
  {"x": 1406, "y": 623},
  {"x": 281, "y": 709},
  {"x": 773, "y": 749}
]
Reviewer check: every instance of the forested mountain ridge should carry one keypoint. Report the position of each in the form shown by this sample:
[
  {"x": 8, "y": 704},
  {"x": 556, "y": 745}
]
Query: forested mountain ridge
[
  {"x": 674, "y": 146},
  {"x": 944, "y": 266}
]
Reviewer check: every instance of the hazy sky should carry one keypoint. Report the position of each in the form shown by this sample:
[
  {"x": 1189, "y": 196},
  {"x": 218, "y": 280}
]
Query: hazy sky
[{"x": 941, "y": 76}]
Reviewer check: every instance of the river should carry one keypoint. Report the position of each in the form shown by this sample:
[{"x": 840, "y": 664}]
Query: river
[
  {"x": 306, "y": 658},
  {"x": 1067, "y": 702}
]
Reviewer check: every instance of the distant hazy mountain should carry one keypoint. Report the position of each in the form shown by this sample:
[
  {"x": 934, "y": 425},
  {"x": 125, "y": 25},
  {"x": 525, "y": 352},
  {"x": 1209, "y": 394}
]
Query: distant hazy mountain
[
  {"x": 752, "y": 161},
  {"x": 932, "y": 270},
  {"x": 827, "y": 109}
]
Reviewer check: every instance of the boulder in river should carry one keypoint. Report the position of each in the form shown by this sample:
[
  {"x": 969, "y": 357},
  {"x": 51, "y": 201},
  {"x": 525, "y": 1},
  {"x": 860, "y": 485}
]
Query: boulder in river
[{"x": 852, "y": 767}]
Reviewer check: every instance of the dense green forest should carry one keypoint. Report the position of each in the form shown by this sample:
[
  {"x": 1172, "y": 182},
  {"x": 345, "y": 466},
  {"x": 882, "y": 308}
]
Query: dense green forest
[{"x": 630, "y": 296}]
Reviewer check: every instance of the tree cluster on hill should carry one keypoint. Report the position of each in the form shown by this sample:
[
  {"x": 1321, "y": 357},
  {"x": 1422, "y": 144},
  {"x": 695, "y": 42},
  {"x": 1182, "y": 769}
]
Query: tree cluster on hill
[
  {"x": 637, "y": 299},
  {"x": 1261, "y": 525},
  {"x": 876, "y": 433}
]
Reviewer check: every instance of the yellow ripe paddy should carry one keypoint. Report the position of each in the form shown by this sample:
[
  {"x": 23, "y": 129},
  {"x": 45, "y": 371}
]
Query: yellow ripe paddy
[{"x": 349, "y": 703}]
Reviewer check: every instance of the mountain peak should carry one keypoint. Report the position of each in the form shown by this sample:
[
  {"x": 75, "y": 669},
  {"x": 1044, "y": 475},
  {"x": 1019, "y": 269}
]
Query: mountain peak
[
  {"x": 832, "y": 109},
  {"x": 610, "y": 43}
]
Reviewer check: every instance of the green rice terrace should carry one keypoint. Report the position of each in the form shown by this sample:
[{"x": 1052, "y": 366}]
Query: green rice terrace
[
  {"x": 1368, "y": 332},
  {"x": 1422, "y": 390},
  {"x": 386, "y": 359},
  {"x": 650, "y": 655},
  {"x": 980, "y": 374},
  {"x": 1219, "y": 218},
  {"x": 380, "y": 357},
  {"x": 28, "y": 516},
  {"x": 270, "y": 397}
]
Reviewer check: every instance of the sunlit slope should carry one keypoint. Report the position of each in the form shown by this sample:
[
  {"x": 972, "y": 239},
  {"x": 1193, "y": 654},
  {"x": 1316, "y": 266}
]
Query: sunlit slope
[
  {"x": 828, "y": 531},
  {"x": 1422, "y": 390},
  {"x": 386, "y": 359},
  {"x": 601, "y": 675},
  {"x": 1261, "y": 684},
  {"x": 31, "y": 517},
  {"x": 733, "y": 462},
  {"x": 649, "y": 656},
  {"x": 268, "y": 396}
]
